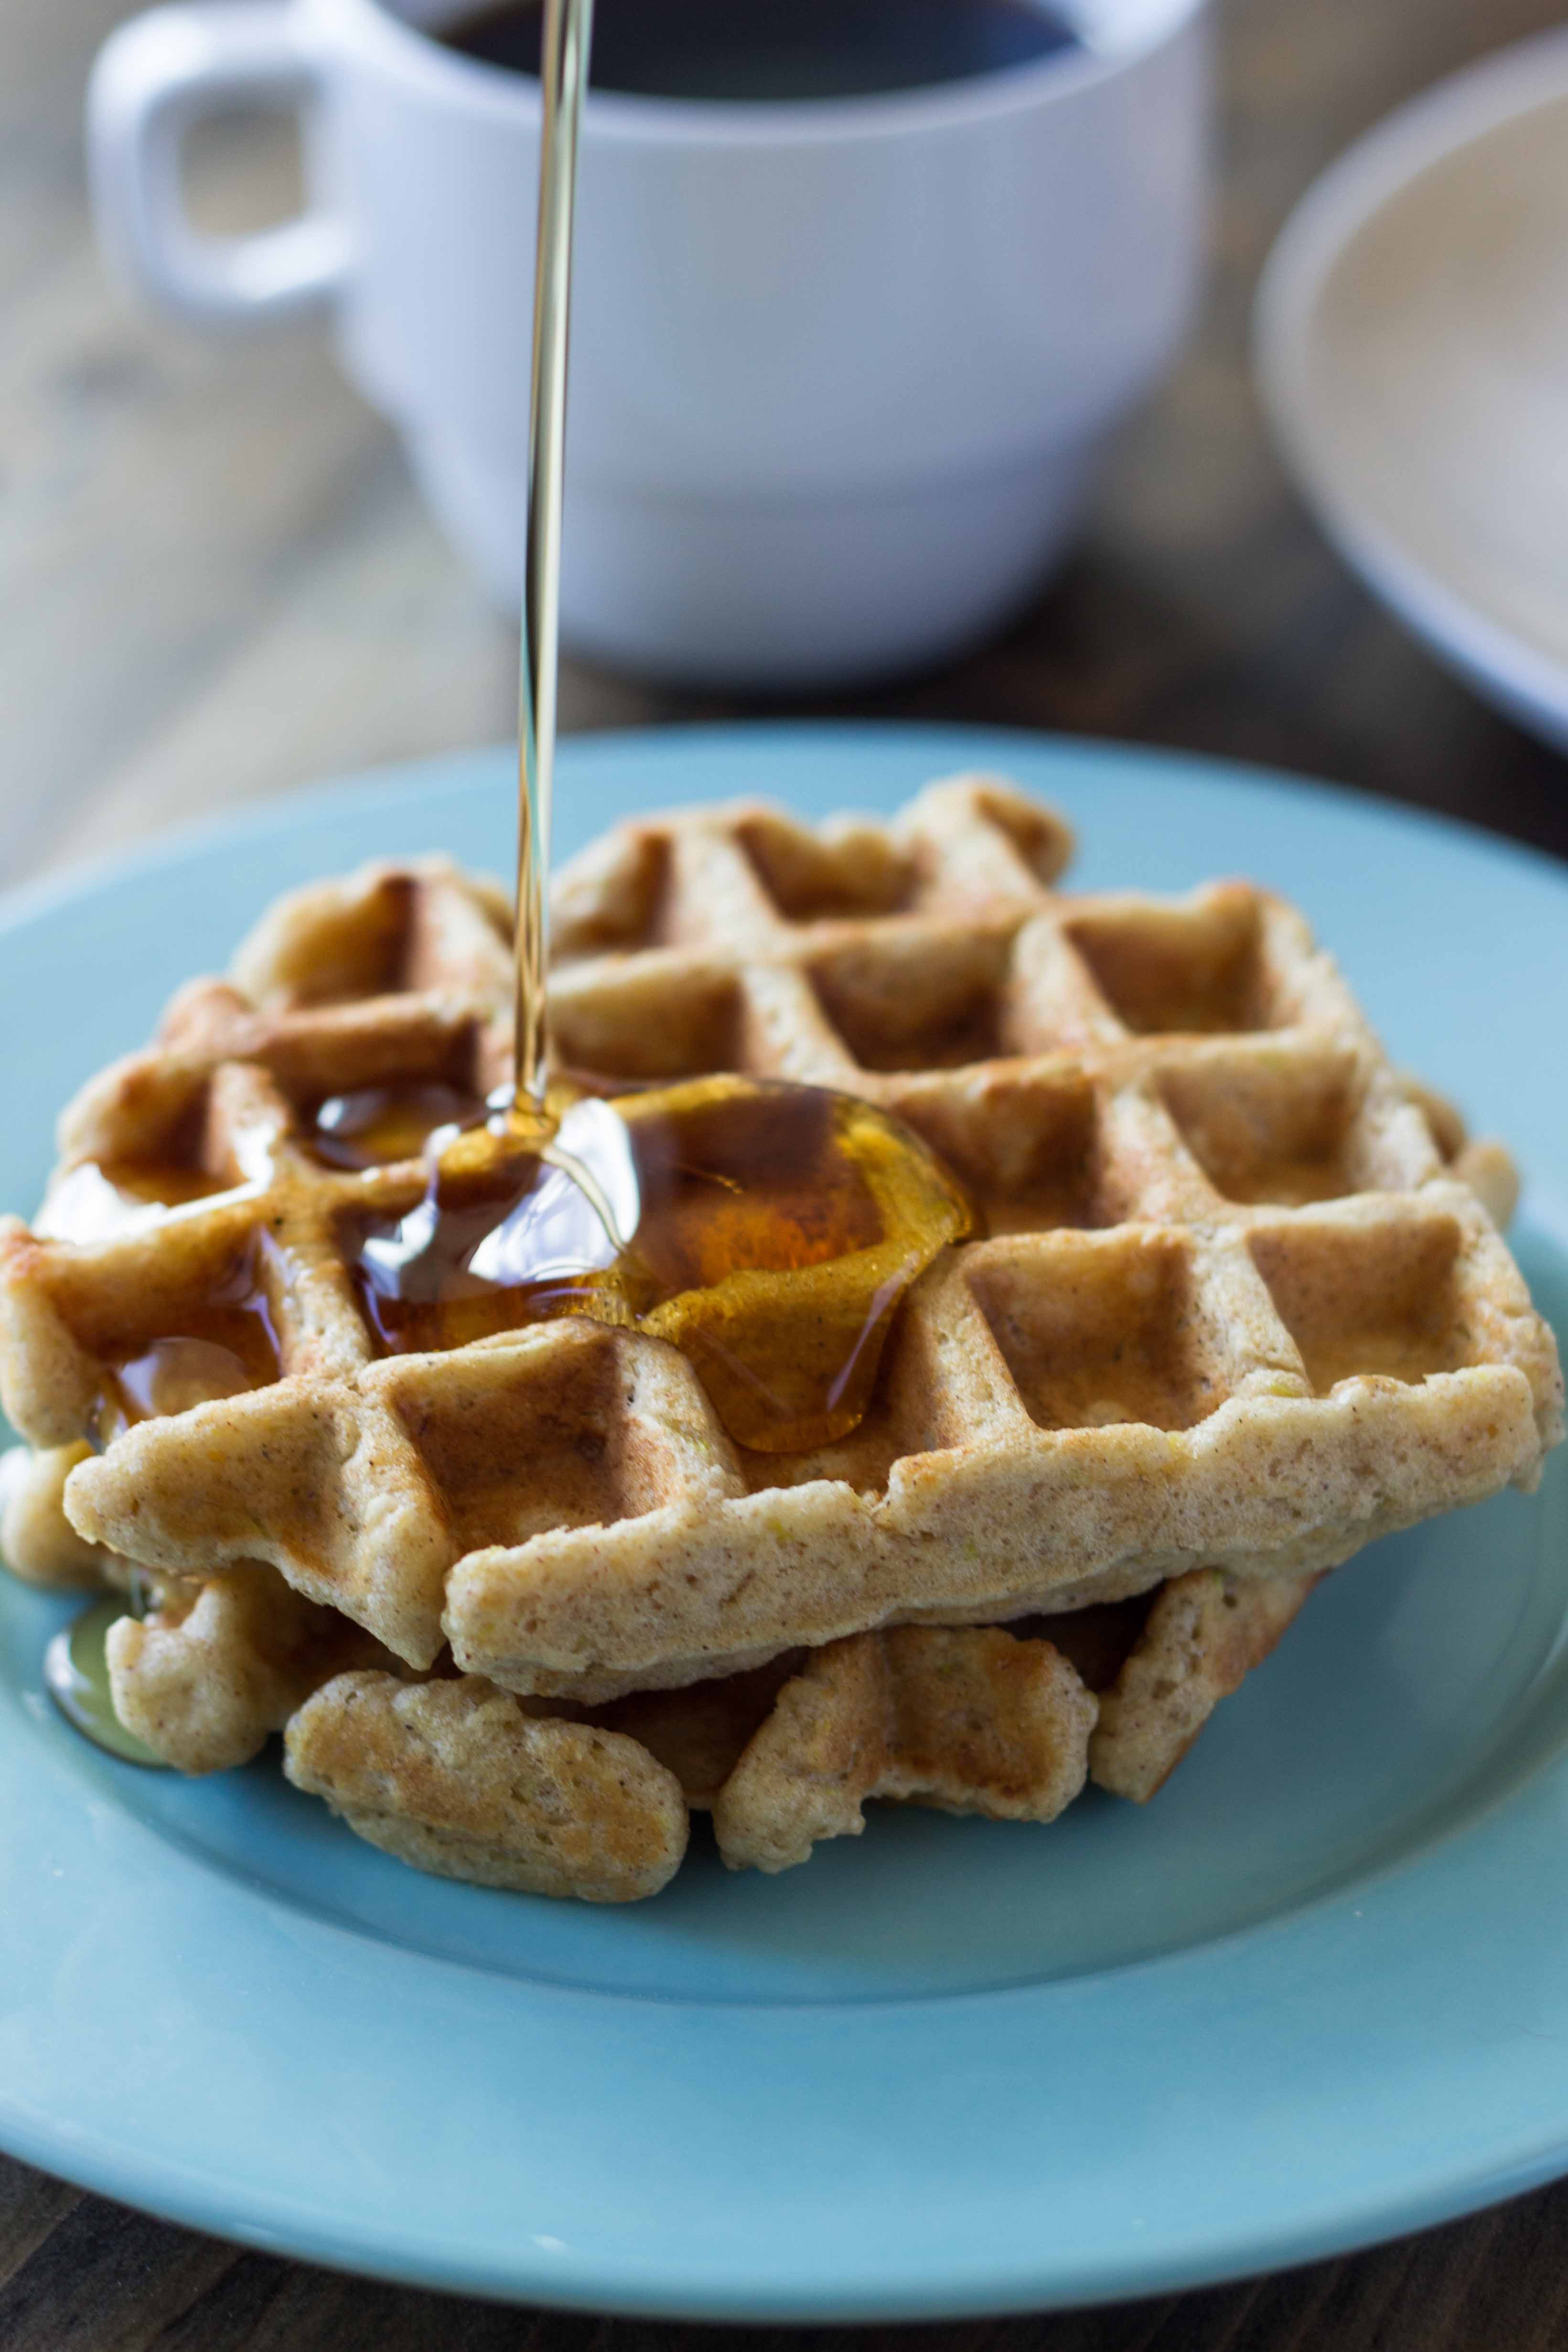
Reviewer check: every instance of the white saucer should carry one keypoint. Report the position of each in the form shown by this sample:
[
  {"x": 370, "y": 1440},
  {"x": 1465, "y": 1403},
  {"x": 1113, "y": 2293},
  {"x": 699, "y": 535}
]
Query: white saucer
[{"x": 1412, "y": 350}]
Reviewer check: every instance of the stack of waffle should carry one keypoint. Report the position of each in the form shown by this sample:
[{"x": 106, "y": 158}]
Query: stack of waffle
[{"x": 1240, "y": 1307}]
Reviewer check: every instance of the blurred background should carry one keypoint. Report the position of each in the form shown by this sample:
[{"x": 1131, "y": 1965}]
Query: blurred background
[{"x": 217, "y": 580}]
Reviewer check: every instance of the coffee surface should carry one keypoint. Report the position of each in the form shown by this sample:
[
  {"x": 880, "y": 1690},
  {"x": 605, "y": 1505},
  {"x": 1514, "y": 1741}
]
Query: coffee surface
[{"x": 776, "y": 49}]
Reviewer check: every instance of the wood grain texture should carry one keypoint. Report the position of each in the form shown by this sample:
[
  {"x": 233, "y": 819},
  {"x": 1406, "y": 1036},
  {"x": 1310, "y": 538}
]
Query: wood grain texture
[{"x": 216, "y": 582}]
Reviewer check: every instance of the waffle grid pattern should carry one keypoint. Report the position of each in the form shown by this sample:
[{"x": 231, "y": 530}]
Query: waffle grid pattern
[{"x": 1197, "y": 1233}]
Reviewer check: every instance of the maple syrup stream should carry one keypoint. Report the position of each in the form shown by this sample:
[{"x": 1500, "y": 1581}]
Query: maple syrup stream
[{"x": 563, "y": 74}]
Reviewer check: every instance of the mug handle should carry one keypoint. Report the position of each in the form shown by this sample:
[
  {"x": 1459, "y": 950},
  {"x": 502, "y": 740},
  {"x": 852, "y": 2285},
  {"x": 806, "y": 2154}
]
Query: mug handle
[{"x": 153, "y": 80}]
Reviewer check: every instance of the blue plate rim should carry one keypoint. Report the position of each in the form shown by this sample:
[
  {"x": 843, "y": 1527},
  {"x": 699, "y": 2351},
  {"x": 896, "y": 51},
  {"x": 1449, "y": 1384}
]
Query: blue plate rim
[{"x": 412, "y": 779}]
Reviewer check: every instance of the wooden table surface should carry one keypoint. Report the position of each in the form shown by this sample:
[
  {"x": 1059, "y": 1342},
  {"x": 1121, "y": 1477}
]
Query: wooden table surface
[{"x": 216, "y": 582}]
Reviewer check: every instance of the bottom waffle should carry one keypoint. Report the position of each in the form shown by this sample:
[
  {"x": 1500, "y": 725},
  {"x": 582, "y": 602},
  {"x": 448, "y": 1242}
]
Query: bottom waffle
[{"x": 455, "y": 1776}]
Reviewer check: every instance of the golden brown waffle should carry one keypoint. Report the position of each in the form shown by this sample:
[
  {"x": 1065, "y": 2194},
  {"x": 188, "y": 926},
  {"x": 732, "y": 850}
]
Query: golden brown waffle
[
  {"x": 1161, "y": 1665},
  {"x": 205, "y": 1677},
  {"x": 395, "y": 975},
  {"x": 1236, "y": 1310},
  {"x": 38, "y": 1541},
  {"x": 395, "y": 972},
  {"x": 968, "y": 1720},
  {"x": 455, "y": 1777}
]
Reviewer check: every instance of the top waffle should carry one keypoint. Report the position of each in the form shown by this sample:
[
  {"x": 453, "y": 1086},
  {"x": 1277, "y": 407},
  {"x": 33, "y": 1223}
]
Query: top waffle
[{"x": 1236, "y": 1306}]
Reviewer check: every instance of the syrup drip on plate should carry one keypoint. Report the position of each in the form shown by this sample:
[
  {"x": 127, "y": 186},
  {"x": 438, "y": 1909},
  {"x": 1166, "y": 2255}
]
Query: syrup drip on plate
[
  {"x": 76, "y": 1675},
  {"x": 229, "y": 1344}
]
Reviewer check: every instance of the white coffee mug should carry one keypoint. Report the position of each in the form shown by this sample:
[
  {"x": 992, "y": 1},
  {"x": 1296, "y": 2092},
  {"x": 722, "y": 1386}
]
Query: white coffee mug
[{"x": 840, "y": 369}]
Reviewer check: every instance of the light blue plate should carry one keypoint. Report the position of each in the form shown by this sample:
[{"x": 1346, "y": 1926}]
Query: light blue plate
[{"x": 1316, "y": 1994}]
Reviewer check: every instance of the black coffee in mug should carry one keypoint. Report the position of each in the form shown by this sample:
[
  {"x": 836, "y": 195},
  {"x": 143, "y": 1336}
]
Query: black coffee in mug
[{"x": 775, "y": 49}]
